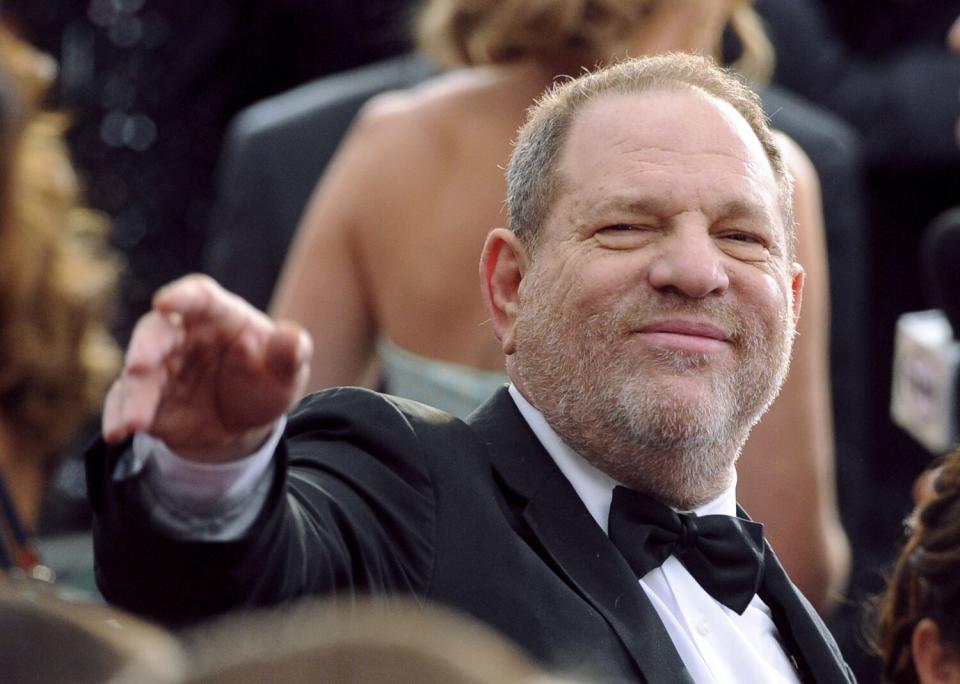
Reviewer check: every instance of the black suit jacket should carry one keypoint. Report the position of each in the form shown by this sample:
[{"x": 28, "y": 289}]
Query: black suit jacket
[{"x": 378, "y": 494}]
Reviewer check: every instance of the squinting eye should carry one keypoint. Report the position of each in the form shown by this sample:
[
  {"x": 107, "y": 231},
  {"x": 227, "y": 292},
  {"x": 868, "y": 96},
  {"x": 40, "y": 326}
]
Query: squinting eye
[
  {"x": 624, "y": 235},
  {"x": 745, "y": 238},
  {"x": 745, "y": 246},
  {"x": 626, "y": 228}
]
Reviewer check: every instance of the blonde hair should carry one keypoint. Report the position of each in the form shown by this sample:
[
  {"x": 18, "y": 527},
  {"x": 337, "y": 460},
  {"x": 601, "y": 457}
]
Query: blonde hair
[
  {"x": 56, "y": 277},
  {"x": 360, "y": 639},
  {"x": 566, "y": 34},
  {"x": 757, "y": 58}
]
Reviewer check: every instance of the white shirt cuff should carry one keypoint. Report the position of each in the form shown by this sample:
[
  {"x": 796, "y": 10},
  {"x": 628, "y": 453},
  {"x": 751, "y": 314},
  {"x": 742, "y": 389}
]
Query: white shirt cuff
[{"x": 200, "y": 501}]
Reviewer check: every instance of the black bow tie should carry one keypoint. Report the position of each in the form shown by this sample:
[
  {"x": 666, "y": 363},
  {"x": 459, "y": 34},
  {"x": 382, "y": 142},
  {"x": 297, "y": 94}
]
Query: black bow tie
[{"x": 724, "y": 554}]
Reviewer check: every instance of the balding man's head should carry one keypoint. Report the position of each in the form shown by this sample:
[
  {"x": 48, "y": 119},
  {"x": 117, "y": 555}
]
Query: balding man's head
[{"x": 533, "y": 178}]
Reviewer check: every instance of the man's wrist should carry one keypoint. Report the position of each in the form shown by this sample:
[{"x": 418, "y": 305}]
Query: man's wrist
[
  {"x": 223, "y": 453},
  {"x": 194, "y": 500}
]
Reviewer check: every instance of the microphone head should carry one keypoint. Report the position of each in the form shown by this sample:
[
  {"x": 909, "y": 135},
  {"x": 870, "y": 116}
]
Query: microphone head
[{"x": 941, "y": 265}]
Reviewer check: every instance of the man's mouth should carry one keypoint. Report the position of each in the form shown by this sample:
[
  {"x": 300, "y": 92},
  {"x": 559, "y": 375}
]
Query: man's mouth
[{"x": 699, "y": 336}]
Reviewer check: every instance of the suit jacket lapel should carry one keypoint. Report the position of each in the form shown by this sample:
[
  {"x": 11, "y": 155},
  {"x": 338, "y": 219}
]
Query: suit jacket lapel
[
  {"x": 578, "y": 547},
  {"x": 805, "y": 635}
]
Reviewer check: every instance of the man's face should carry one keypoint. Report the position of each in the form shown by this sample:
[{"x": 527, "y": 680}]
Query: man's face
[{"x": 655, "y": 320}]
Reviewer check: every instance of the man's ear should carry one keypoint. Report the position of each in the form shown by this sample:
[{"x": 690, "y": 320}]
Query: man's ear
[
  {"x": 796, "y": 285},
  {"x": 502, "y": 266}
]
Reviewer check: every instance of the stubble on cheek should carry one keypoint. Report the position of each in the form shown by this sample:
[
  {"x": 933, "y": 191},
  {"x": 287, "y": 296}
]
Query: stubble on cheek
[{"x": 611, "y": 399}]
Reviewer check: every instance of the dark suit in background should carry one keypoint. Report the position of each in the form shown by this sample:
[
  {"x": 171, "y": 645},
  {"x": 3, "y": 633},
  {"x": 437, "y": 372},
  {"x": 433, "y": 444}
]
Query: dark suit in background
[{"x": 273, "y": 156}]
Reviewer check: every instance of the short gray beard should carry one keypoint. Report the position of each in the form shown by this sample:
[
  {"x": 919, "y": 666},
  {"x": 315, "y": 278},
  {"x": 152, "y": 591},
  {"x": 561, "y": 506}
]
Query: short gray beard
[{"x": 650, "y": 441}]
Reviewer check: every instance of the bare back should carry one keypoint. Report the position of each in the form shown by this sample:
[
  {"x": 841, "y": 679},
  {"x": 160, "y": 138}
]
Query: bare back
[{"x": 390, "y": 244}]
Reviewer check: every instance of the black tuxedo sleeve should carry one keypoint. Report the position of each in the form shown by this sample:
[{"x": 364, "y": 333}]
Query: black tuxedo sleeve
[{"x": 351, "y": 510}]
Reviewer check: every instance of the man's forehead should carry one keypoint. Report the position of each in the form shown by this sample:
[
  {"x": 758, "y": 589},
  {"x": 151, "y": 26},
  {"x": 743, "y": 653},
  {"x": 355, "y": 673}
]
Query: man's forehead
[
  {"x": 678, "y": 118},
  {"x": 674, "y": 132},
  {"x": 656, "y": 149}
]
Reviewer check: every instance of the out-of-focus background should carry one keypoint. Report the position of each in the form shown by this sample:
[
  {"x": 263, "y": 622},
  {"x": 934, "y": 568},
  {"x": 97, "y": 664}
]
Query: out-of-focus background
[{"x": 151, "y": 87}]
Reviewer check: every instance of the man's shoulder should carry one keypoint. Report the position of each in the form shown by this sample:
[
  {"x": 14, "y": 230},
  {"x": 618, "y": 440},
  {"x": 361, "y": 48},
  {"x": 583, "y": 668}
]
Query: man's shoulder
[
  {"x": 368, "y": 438},
  {"x": 378, "y": 423},
  {"x": 364, "y": 406}
]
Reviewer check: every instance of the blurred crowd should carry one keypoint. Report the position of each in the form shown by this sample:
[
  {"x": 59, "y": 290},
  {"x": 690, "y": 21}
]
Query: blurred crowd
[{"x": 145, "y": 139}]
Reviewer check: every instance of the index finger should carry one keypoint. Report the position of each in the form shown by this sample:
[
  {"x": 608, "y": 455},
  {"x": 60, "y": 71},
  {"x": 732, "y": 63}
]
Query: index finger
[
  {"x": 131, "y": 404},
  {"x": 154, "y": 338}
]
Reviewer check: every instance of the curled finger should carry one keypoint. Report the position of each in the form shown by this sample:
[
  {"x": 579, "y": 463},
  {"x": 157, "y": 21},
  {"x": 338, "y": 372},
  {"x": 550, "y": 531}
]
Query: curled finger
[{"x": 156, "y": 336}]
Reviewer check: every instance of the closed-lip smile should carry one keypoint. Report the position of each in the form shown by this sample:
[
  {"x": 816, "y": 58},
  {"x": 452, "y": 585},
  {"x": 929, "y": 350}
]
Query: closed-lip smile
[{"x": 685, "y": 334}]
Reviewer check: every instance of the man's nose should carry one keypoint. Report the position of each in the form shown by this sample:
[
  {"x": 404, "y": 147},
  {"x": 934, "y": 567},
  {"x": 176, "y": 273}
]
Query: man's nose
[{"x": 689, "y": 263}]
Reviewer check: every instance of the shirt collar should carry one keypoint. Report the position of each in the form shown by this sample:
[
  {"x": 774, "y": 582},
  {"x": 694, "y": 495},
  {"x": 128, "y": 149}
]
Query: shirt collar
[{"x": 593, "y": 486}]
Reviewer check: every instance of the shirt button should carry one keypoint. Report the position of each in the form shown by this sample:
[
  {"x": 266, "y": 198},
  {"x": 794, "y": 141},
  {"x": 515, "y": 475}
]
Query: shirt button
[{"x": 703, "y": 629}]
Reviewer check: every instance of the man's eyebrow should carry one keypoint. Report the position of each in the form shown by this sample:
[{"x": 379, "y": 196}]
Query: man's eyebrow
[
  {"x": 634, "y": 205},
  {"x": 662, "y": 205},
  {"x": 740, "y": 209}
]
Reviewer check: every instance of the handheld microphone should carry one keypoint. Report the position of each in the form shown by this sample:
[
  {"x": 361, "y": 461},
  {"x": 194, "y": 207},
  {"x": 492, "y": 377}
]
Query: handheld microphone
[{"x": 924, "y": 400}]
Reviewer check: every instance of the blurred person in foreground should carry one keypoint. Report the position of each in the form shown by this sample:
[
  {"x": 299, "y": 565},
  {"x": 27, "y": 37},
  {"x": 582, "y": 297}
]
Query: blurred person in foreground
[
  {"x": 53, "y": 636},
  {"x": 645, "y": 295},
  {"x": 56, "y": 278},
  {"x": 312, "y": 640},
  {"x": 919, "y": 630},
  {"x": 381, "y": 272}
]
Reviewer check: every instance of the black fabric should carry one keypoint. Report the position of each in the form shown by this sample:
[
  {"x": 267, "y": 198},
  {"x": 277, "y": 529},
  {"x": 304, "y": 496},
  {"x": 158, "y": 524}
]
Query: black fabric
[
  {"x": 723, "y": 553},
  {"x": 879, "y": 92},
  {"x": 375, "y": 494}
]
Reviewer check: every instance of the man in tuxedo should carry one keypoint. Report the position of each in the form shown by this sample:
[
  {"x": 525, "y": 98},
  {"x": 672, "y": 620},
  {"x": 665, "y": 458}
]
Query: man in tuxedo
[{"x": 645, "y": 295}]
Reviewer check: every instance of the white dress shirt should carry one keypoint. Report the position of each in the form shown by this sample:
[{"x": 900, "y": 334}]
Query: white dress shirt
[
  {"x": 715, "y": 643},
  {"x": 220, "y": 502}
]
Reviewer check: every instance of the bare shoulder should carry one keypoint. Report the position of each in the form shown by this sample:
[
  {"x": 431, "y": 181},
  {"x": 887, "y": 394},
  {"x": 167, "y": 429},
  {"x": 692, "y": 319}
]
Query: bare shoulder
[
  {"x": 435, "y": 114},
  {"x": 396, "y": 145},
  {"x": 797, "y": 161}
]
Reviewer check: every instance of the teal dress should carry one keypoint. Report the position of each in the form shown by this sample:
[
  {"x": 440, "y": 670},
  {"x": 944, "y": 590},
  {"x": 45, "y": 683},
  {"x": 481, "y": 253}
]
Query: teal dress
[{"x": 452, "y": 387}]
